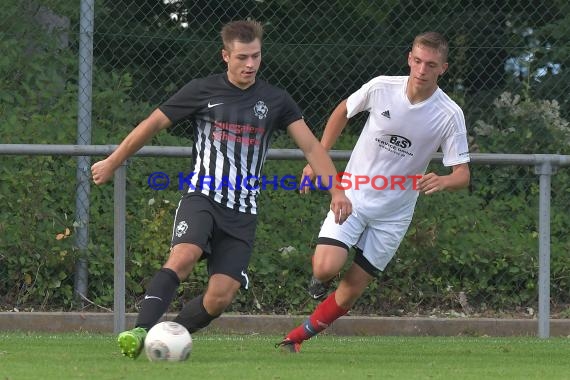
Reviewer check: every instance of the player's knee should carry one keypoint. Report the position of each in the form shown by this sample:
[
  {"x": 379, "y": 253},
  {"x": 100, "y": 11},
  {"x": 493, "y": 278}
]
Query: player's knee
[
  {"x": 324, "y": 270},
  {"x": 215, "y": 304},
  {"x": 182, "y": 259},
  {"x": 328, "y": 260}
]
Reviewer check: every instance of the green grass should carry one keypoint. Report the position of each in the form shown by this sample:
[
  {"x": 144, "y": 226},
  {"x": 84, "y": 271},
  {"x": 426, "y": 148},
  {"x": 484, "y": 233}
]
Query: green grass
[{"x": 95, "y": 356}]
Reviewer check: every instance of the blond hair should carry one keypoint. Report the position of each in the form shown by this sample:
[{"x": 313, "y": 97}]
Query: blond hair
[{"x": 435, "y": 41}]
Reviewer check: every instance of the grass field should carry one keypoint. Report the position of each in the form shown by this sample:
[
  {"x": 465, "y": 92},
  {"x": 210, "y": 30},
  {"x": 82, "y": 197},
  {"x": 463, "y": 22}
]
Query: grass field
[{"x": 95, "y": 356}]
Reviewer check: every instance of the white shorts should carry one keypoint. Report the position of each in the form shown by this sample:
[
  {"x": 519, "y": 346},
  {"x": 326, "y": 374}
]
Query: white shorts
[{"x": 378, "y": 240}]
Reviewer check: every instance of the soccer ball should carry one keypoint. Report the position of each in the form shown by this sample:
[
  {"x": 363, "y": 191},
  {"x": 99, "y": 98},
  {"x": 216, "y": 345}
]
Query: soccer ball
[{"x": 168, "y": 341}]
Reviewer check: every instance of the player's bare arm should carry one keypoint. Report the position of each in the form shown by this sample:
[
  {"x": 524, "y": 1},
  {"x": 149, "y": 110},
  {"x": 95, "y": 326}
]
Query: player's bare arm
[
  {"x": 456, "y": 180},
  {"x": 335, "y": 125},
  {"x": 322, "y": 164},
  {"x": 102, "y": 171}
]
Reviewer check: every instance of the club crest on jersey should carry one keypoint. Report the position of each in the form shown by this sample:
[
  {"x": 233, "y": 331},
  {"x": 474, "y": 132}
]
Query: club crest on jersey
[
  {"x": 260, "y": 110},
  {"x": 181, "y": 228}
]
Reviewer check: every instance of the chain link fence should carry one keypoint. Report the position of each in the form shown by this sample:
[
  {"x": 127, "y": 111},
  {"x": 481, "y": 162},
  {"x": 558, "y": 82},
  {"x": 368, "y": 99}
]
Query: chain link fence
[
  {"x": 508, "y": 70},
  {"x": 321, "y": 51}
]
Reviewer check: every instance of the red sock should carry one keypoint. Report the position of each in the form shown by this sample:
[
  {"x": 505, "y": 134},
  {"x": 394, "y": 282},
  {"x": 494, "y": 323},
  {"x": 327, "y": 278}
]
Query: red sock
[{"x": 326, "y": 313}]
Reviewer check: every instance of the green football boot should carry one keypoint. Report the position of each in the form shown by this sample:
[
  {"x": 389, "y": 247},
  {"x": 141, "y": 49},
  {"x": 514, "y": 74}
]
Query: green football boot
[{"x": 131, "y": 342}]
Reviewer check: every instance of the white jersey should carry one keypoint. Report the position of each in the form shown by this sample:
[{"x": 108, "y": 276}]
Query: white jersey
[{"x": 396, "y": 144}]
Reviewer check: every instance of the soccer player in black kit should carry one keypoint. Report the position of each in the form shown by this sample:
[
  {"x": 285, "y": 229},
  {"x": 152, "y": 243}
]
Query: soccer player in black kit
[{"x": 233, "y": 115}]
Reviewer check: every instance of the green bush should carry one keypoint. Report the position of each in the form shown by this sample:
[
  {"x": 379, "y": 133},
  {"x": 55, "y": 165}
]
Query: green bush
[{"x": 471, "y": 250}]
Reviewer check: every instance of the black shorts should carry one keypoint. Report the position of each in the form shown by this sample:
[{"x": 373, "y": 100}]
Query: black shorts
[{"x": 226, "y": 236}]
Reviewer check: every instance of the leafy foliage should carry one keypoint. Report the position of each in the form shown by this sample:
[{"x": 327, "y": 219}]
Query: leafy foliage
[{"x": 472, "y": 250}]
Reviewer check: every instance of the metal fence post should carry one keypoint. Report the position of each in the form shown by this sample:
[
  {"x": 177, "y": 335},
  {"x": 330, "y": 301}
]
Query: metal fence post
[
  {"x": 119, "y": 201},
  {"x": 545, "y": 170},
  {"x": 85, "y": 83}
]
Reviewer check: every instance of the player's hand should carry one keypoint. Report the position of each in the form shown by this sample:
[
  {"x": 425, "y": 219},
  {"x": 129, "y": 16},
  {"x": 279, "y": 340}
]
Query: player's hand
[
  {"x": 307, "y": 173},
  {"x": 341, "y": 206},
  {"x": 102, "y": 171},
  {"x": 431, "y": 183}
]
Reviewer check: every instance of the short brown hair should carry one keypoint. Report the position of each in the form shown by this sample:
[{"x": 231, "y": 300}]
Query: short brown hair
[
  {"x": 435, "y": 41},
  {"x": 245, "y": 31}
]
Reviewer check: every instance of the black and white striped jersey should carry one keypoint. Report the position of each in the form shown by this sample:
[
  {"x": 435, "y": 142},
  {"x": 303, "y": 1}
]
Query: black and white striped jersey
[{"x": 232, "y": 128}]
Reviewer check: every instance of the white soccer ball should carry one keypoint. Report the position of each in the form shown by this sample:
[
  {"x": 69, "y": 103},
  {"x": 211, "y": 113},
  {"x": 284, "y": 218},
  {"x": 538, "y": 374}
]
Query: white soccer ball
[{"x": 168, "y": 341}]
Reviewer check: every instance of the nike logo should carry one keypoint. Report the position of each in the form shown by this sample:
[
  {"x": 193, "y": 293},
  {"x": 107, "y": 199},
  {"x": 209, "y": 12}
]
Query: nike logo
[
  {"x": 210, "y": 105},
  {"x": 150, "y": 297}
]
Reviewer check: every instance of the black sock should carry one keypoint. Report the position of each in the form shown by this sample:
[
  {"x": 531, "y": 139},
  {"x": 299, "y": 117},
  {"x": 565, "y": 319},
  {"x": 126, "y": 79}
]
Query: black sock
[
  {"x": 159, "y": 294},
  {"x": 194, "y": 316}
]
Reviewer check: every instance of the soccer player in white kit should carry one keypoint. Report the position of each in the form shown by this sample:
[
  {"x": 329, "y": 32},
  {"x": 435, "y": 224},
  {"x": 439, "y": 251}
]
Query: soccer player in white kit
[{"x": 410, "y": 118}]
